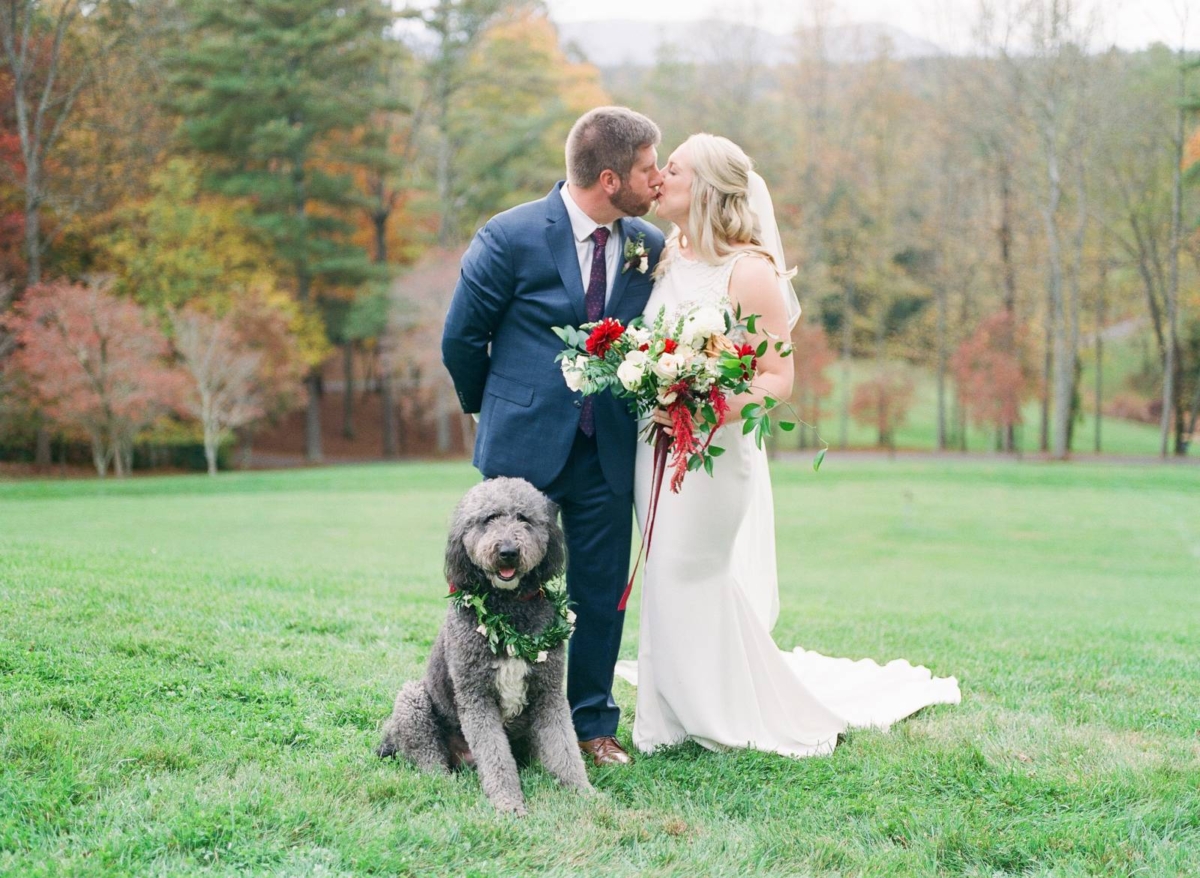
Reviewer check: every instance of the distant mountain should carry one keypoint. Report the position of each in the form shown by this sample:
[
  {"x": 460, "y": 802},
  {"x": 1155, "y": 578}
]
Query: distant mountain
[{"x": 639, "y": 43}]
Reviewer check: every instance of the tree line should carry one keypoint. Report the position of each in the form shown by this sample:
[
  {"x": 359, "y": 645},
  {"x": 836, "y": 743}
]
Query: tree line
[{"x": 204, "y": 205}]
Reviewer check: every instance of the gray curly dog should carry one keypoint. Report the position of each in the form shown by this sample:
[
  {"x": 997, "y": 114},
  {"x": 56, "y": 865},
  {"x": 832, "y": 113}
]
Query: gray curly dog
[{"x": 504, "y": 543}]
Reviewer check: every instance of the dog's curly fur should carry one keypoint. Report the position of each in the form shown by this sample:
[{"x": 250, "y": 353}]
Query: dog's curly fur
[{"x": 504, "y": 543}]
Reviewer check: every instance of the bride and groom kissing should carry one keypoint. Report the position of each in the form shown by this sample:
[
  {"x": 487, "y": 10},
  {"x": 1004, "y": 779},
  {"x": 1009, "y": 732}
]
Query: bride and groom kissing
[{"x": 707, "y": 668}]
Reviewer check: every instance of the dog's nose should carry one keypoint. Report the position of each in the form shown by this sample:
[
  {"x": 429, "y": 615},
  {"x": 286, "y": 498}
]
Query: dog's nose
[{"x": 509, "y": 553}]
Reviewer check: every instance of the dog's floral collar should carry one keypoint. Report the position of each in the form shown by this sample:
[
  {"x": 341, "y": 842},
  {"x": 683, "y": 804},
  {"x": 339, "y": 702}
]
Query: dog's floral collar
[
  {"x": 636, "y": 254},
  {"x": 504, "y": 639}
]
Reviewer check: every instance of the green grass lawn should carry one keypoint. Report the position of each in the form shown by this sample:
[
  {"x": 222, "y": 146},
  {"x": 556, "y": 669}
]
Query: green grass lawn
[{"x": 193, "y": 673}]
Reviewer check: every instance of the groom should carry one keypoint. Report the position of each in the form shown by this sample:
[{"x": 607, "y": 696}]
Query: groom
[{"x": 560, "y": 261}]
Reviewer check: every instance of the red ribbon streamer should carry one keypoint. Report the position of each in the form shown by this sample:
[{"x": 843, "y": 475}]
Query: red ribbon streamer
[{"x": 662, "y": 445}]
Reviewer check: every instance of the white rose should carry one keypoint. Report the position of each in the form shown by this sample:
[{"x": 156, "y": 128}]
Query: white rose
[
  {"x": 667, "y": 366},
  {"x": 571, "y": 617},
  {"x": 644, "y": 264},
  {"x": 482, "y": 629},
  {"x": 630, "y": 374},
  {"x": 640, "y": 335},
  {"x": 665, "y": 398},
  {"x": 701, "y": 324},
  {"x": 685, "y": 352},
  {"x": 542, "y": 656},
  {"x": 573, "y": 373}
]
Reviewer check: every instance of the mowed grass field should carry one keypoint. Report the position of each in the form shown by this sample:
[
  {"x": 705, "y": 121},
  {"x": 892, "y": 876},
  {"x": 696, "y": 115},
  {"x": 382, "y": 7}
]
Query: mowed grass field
[{"x": 193, "y": 672}]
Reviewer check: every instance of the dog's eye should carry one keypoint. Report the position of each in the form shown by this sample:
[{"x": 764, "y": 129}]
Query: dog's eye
[{"x": 521, "y": 518}]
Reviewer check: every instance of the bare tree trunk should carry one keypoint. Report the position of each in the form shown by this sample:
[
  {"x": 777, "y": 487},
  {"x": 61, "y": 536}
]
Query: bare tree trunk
[
  {"x": 388, "y": 404},
  {"x": 41, "y": 444},
  {"x": 1170, "y": 379},
  {"x": 1005, "y": 235},
  {"x": 444, "y": 414},
  {"x": 941, "y": 365},
  {"x": 348, "y": 390},
  {"x": 1057, "y": 330},
  {"x": 1099, "y": 343},
  {"x": 312, "y": 419},
  {"x": 844, "y": 427}
]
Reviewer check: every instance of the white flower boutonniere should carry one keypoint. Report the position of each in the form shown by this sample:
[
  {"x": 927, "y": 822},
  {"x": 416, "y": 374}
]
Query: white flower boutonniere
[{"x": 636, "y": 255}]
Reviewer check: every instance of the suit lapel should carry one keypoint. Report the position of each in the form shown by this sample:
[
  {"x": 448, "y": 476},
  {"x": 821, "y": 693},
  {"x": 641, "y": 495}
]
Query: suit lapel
[
  {"x": 562, "y": 247},
  {"x": 622, "y": 278}
]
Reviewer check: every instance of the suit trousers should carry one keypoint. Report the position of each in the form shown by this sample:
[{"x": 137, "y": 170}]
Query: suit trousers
[{"x": 598, "y": 526}]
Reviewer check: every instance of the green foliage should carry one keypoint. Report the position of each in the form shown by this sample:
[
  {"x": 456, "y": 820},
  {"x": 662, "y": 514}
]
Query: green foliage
[
  {"x": 193, "y": 674},
  {"x": 267, "y": 89}
]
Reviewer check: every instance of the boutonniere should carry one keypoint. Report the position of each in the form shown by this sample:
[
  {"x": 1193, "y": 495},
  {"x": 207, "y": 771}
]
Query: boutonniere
[{"x": 636, "y": 255}]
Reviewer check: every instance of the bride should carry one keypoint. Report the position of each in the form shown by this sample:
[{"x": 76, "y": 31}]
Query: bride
[{"x": 707, "y": 668}]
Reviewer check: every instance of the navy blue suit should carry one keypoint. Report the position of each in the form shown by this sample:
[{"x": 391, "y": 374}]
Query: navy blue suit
[{"x": 520, "y": 277}]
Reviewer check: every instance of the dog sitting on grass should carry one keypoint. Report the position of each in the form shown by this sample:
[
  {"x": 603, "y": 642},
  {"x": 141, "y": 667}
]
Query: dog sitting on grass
[{"x": 495, "y": 676}]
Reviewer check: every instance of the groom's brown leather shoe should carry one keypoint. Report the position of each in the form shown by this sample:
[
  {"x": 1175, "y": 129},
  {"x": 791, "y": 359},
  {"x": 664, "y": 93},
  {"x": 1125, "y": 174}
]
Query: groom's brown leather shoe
[{"x": 605, "y": 751}]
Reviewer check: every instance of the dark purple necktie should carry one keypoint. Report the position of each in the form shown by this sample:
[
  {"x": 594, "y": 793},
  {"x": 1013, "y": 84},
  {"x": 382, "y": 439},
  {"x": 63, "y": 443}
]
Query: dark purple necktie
[{"x": 593, "y": 301}]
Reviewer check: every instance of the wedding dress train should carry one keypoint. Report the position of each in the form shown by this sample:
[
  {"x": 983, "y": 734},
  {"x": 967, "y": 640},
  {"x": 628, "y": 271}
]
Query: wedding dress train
[{"x": 707, "y": 667}]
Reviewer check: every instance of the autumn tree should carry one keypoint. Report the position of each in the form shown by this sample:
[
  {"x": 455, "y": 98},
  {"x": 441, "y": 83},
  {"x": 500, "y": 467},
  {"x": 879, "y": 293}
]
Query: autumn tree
[
  {"x": 991, "y": 379},
  {"x": 94, "y": 363},
  {"x": 299, "y": 76},
  {"x": 812, "y": 355},
  {"x": 180, "y": 245},
  {"x": 883, "y": 402},
  {"x": 419, "y": 298},
  {"x": 239, "y": 366}
]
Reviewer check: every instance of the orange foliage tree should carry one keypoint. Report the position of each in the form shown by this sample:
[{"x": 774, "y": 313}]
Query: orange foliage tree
[
  {"x": 883, "y": 402},
  {"x": 987, "y": 369},
  {"x": 811, "y": 356},
  {"x": 94, "y": 364}
]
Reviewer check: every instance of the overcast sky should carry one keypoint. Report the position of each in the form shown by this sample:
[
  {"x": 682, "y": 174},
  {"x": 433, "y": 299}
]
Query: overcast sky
[{"x": 1131, "y": 24}]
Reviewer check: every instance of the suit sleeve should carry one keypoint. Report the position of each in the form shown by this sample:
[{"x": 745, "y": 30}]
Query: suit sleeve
[{"x": 485, "y": 288}]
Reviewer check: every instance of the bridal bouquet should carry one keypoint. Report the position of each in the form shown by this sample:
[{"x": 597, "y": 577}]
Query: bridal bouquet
[{"x": 687, "y": 365}]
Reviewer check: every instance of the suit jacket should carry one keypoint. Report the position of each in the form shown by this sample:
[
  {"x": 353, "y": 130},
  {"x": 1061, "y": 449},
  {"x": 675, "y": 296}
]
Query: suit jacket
[{"x": 519, "y": 278}]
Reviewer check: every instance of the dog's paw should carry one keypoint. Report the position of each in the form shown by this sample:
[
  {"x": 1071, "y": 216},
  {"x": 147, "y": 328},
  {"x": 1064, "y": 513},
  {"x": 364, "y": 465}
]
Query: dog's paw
[
  {"x": 515, "y": 809},
  {"x": 386, "y": 749}
]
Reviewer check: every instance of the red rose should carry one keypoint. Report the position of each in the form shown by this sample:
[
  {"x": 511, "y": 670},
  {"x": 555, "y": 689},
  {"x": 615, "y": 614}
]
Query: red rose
[
  {"x": 745, "y": 350},
  {"x": 606, "y": 332},
  {"x": 668, "y": 345}
]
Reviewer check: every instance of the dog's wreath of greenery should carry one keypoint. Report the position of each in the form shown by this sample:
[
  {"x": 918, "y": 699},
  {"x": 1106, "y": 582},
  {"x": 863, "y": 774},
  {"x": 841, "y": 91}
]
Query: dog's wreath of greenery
[{"x": 504, "y": 639}]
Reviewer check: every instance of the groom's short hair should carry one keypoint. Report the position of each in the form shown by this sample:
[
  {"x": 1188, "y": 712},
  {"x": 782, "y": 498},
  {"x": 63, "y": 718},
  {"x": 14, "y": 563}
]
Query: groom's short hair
[{"x": 607, "y": 138}]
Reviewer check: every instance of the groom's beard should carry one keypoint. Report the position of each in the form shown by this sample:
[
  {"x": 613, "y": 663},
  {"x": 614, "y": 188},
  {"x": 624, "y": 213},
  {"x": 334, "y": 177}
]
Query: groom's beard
[{"x": 630, "y": 203}]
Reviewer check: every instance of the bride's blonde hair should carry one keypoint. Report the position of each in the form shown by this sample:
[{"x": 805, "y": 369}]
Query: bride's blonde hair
[{"x": 719, "y": 216}]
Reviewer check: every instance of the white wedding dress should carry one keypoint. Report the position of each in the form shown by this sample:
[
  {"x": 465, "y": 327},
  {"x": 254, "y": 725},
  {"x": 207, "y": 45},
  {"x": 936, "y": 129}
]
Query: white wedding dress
[{"x": 707, "y": 668}]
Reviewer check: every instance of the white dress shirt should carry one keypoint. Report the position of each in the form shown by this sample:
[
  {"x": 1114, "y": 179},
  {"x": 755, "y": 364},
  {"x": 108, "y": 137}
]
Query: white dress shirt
[{"x": 582, "y": 227}]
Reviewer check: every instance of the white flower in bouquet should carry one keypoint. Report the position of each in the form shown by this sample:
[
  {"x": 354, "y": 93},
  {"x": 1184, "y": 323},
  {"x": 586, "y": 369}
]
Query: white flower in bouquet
[
  {"x": 573, "y": 372},
  {"x": 542, "y": 656},
  {"x": 700, "y": 324},
  {"x": 631, "y": 370},
  {"x": 685, "y": 352},
  {"x": 667, "y": 367},
  {"x": 666, "y": 397},
  {"x": 639, "y": 335}
]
